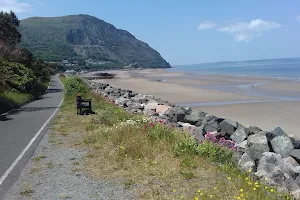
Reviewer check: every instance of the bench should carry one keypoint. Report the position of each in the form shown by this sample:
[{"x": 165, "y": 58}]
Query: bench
[{"x": 81, "y": 104}]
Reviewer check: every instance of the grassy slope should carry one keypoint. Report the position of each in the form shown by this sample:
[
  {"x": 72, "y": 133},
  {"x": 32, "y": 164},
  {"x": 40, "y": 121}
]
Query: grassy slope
[
  {"x": 155, "y": 161},
  {"x": 10, "y": 99}
]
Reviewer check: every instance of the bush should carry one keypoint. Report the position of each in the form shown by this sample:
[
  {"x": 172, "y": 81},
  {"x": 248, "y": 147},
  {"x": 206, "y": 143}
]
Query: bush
[{"x": 74, "y": 85}]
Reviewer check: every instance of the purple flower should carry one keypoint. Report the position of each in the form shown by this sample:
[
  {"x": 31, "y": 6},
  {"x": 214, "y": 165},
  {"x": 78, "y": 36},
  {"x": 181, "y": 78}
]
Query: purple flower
[{"x": 214, "y": 139}]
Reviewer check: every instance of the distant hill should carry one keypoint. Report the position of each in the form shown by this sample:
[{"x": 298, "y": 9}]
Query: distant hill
[{"x": 86, "y": 37}]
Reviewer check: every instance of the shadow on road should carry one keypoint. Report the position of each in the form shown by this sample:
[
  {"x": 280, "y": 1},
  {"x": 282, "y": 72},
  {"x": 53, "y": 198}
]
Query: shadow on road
[
  {"x": 29, "y": 109},
  {"x": 4, "y": 118},
  {"x": 54, "y": 90}
]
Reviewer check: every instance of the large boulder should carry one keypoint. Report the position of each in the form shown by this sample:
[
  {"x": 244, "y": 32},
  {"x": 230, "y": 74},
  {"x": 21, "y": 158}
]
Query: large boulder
[
  {"x": 194, "y": 117},
  {"x": 134, "y": 105},
  {"x": 121, "y": 101},
  {"x": 254, "y": 130},
  {"x": 296, "y": 154},
  {"x": 239, "y": 135},
  {"x": 109, "y": 90},
  {"x": 176, "y": 114},
  {"x": 162, "y": 109},
  {"x": 282, "y": 145},
  {"x": 198, "y": 133},
  {"x": 211, "y": 126},
  {"x": 258, "y": 144},
  {"x": 246, "y": 163},
  {"x": 151, "y": 106},
  {"x": 268, "y": 161},
  {"x": 291, "y": 161},
  {"x": 140, "y": 98},
  {"x": 295, "y": 142},
  {"x": 228, "y": 126}
]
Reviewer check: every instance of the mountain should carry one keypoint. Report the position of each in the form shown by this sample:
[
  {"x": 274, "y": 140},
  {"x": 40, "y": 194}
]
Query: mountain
[{"x": 82, "y": 37}]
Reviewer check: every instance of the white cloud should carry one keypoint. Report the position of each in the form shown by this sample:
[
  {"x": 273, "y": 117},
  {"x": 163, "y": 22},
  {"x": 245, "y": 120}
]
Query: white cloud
[
  {"x": 14, "y": 5},
  {"x": 206, "y": 25},
  {"x": 243, "y": 31},
  {"x": 298, "y": 18}
]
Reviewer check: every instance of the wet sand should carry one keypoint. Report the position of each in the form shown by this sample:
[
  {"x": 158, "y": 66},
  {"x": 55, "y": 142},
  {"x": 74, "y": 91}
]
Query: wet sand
[{"x": 257, "y": 101}]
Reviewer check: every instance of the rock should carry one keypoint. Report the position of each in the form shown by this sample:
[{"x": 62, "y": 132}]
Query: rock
[
  {"x": 198, "y": 133},
  {"x": 149, "y": 112},
  {"x": 282, "y": 189},
  {"x": 296, "y": 154},
  {"x": 246, "y": 163},
  {"x": 258, "y": 144},
  {"x": 290, "y": 160},
  {"x": 151, "y": 106},
  {"x": 140, "y": 98},
  {"x": 254, "y": 130},
  {"x": 287, "y": 168},
  {"x": 290, "y": 184},
  {"x": 194, "y": 118},
  {"x": 121, "y": 101},
  {"x": 295, "y": 142},
  {"x": 228, "y": 126},
  {"x": 243, "y": 145},
  {"x": 209, "y": 117},
  {"x": 188, "y": 127},
  {"x": 296, "y": 170},
  {"x": 296, "y": 194},
  {"x": 134, "y": 105},
  {"x": 277, "y": 177},
  {"x": 109, "y": 90},
  {"x": 188, "y": 110},
  {"x": 239, "y": 135},
  {"x": 268, "y": 162},
  {"x": 282, "y": 145},
  {"x": 162, "y": 109},
  {"x": 211, "y": 126},
  {"x": 176, "y": 114}
]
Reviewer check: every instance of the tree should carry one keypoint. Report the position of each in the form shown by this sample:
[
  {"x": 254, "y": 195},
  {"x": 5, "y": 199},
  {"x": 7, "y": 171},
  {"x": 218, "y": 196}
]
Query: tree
[{"x": 9, "y": 24}]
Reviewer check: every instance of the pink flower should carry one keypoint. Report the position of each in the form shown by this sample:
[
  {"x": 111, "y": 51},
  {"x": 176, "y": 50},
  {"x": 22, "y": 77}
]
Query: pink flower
[
  {"x": 214, "y": 139},
  {"x": 201, "y": 141},
  {"x": 222, "y": 139}
]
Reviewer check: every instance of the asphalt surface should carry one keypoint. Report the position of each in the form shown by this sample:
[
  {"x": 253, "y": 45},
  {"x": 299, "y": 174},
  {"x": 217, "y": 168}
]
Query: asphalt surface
[{"x": 20, "y": 126}]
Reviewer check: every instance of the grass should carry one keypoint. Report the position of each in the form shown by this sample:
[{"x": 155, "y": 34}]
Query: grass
[
  {"x": 156, "y": 161},
  {"x": 39, "y": 158},
  {"x": 26, "y": 190},
  {"x": 13, "y": 99}
]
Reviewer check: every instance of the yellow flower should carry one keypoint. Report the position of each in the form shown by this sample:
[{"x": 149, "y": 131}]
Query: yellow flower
[
  {"x": 266, "y": 179},
  {"x": 246, "y": 179},
  {"x": 239, "y": 198},
  {"x": 256, "y": 183},
  {"x": 196, "y": 198},
  {"x": 266, "y": 187},
  {"x": 174, "y": 190},
  {"x": 234, "y": 197},
  {"x": 229, "y": 178},
  {"x": 121, "y": 147},
  {"x": 272, "y": 190},
  {"x": 241, "y": 190},
  {"x": 199, "y": 191},
  {"x": 249, "y": 170},
  {"x": 249, "y": 183},
  {"x": 211, "y": 196},
  {"x": 242, "y": 195},
  {"x": 215, "y": 188},
  {"x": 182, "y": 197},
  {"x": 201, "y": 194},
  {"x": 254, "y": 188}
]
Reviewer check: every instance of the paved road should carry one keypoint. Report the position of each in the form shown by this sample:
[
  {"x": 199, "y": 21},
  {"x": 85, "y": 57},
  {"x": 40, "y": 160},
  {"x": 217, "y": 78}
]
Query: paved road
[{"x": 22, "y": 127}]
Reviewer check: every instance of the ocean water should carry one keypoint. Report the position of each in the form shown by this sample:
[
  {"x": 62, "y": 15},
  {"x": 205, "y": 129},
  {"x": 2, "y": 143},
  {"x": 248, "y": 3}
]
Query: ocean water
[{"x": 278, "y": 68}]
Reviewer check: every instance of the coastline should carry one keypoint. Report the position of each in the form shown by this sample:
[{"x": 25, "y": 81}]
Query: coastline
[{"x": 275, "y": 102}]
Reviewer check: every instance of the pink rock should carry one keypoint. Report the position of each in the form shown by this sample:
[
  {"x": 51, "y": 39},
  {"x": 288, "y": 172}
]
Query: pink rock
[{"x": 161, "y": 109}]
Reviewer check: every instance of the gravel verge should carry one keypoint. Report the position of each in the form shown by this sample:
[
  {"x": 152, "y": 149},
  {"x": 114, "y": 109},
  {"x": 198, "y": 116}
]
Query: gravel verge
[{"x": 54, "y": 172}]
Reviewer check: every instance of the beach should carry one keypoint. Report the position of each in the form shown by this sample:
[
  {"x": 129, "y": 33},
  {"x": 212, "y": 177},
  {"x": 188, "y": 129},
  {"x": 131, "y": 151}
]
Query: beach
[{"x": 252, "y": 101}]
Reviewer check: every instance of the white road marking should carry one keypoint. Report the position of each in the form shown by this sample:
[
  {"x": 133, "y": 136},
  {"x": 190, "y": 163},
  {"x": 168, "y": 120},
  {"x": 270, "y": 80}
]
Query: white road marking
[{"x": 8, "y": 171}]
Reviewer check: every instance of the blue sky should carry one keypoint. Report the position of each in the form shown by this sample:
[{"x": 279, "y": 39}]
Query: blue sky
[{"x": 190, "y": 31}]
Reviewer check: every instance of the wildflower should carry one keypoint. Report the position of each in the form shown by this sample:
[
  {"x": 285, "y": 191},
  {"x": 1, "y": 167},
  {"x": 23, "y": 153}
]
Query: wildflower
[
  {"x": 266, "y": 179},
  {"x": 242, "y": 195},
  {"x": 249, "y": 170},
  {"x": 257, "y": 186},
  {"x": 174, "y": 190},
  {"x": 211, "y": 196},
  {"x": 214, "y": 139},
  {"x": 229, "y": 178},
  {"x": 201, "y": 194},
  {"x": 249, "y": 183},
  {"x": 241, "y": 190},
  {"x": 182, "y": 197},
  {"x": 215, "y": 188},
  {"x": 201, "y": 141},
  {"x": 256, "y": 183},
  {"x": 198, "y": 191},
  {"x": 266, "y": 187},
  {"x": 254, "y": 189},
  {"x": 272, "y": 190},
  {"x": 239, "y": 198},
  {"x": 121, "y": 147},
  {"x": 246, "y": 179},
  {"x": 196, "y": 198}
]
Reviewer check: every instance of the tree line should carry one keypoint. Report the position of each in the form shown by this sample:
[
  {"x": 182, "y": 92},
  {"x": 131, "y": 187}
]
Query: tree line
[{"x": 20, "y": 71}]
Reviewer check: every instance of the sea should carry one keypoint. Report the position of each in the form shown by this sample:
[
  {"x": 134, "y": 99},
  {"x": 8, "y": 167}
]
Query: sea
[{"x": 276, "y": 68}]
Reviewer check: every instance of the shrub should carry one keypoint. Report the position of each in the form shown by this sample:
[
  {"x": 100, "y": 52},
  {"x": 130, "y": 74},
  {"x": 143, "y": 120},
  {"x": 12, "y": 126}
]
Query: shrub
[{"x": 74, "y": 85}]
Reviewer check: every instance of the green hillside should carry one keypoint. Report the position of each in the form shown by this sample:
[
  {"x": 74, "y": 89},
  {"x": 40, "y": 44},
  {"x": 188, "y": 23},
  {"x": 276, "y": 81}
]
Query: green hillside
[{"x": 81, "y": 37}]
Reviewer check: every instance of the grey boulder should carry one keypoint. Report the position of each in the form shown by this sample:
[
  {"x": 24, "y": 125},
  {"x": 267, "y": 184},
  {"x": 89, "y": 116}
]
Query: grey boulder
[
  {"x": 282, "y": 145},
  {"x": 239, "y": 135},
  {"x": 258, "y": 144},
  {"x": 228, "y": 126}
]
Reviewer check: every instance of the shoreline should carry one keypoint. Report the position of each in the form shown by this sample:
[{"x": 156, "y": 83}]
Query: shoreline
[{"x": 277, "y": 106}]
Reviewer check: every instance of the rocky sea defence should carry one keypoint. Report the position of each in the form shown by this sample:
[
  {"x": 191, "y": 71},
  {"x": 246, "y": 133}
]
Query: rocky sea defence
[{"x": 272, "y": 157}]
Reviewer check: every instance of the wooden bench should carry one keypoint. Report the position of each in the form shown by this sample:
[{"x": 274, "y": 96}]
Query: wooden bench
[{"x": 81, "y": 104}]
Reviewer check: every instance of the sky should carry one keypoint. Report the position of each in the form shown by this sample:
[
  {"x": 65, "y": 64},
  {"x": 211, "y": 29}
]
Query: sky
[{"x": 190, "y": 31}]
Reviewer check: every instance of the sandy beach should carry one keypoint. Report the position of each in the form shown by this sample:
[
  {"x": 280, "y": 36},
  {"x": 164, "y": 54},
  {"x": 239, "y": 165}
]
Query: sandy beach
[{"x": 257, "y": 101}]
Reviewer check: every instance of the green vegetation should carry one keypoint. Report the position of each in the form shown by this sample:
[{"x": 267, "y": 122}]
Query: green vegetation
[
  {"x": 83, "y": 37},
  {"x": 22, "y": 77},
  {"x": 152, "y": 159}
]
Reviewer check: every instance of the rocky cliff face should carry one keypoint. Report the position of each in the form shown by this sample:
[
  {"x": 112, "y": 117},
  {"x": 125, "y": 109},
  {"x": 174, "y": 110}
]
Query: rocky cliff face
[{"x": 84, "y": 36}]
